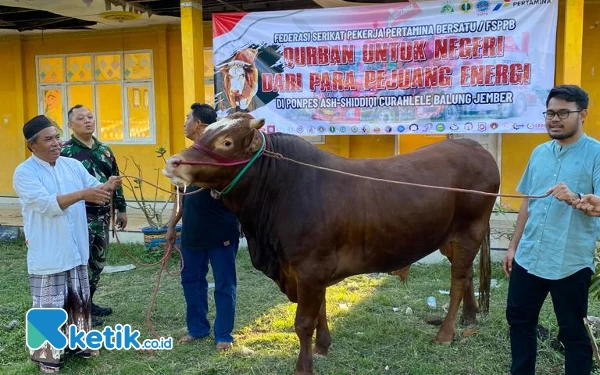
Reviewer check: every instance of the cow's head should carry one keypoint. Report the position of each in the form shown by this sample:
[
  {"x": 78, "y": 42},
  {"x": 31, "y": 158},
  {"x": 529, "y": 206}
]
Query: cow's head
[
  {"x": 218, "y": 153},
  {"x": 240, "y": 78}
]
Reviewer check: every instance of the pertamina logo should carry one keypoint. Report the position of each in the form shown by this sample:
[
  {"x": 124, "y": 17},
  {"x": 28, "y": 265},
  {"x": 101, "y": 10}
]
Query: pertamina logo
[{"x": 502, "y": 4}]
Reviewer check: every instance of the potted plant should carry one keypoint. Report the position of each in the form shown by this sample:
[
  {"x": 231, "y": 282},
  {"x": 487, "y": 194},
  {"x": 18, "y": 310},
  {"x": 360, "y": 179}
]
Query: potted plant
[{"x": 153, "y": 210}]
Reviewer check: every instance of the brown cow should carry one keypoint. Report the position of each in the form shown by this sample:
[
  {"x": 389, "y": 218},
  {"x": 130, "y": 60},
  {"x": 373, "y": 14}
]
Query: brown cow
[
  {"x": 307, "y": 228},
  {"x": 239, "y": 81}
]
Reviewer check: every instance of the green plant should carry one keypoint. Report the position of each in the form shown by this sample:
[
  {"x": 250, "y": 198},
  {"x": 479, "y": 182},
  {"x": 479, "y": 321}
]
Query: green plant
[
  {"x": 497, "y": 233},
  {"x": 153, "y": 210}
]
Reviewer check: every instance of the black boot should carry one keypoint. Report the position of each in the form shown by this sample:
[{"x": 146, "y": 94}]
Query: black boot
[{"x": 97, "y": 310}]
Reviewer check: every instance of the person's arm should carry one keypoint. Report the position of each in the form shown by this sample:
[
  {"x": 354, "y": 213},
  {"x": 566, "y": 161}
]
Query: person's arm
[
  {"x": 93, "y": 195},
  {"x": 118, "y": 197},
  {"x": 176, "y": 214},
  {"x": 35, "y": 196},
  {"x": 94, "y": 191},
  {"x": 589, "y": 204},
  {"x": 514, "y": 242},
  {"x": 563, "y": 193}
]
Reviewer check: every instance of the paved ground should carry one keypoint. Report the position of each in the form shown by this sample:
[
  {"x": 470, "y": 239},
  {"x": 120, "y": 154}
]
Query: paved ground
[{"x": 10, "y": 215}]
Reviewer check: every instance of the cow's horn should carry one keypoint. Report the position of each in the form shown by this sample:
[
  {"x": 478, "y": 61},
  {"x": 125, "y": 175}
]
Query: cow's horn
[{"x": 257, "y": 123}]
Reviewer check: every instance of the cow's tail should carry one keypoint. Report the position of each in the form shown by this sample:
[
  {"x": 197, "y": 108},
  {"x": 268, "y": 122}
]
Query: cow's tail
[{"x": 485, "y": 273}]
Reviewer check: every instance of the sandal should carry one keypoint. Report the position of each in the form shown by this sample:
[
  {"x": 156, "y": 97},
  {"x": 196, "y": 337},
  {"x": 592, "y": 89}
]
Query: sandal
[
  {"x": 187, "y": 339},
  {"x": 49, "y": 368},
  {"x": 224, "y": 346}
]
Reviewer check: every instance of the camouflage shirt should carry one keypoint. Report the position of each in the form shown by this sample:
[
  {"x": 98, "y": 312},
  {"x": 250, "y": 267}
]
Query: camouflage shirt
[{"x": 101, "y": 163}]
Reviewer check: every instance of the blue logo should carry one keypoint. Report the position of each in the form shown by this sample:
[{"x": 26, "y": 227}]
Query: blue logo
[
  {"x": 342, "y": 129},
  {"x": 482, "y": 5},
  {"x": 43, "y": 325},
  {"x": 400, "y": 128},
  {"x": 504, "y": 3}
]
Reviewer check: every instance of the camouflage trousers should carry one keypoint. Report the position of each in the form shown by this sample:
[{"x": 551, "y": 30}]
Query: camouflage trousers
[{"x": 98, "y": 225}]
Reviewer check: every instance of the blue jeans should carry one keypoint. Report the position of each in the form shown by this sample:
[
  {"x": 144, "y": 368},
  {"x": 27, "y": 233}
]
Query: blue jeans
[
  {"x": 526, "y": 295},
  {"x": 195, "y": 290}
]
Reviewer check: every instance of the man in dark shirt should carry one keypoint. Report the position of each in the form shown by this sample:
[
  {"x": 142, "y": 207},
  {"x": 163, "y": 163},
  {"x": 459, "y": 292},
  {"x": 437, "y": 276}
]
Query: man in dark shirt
[
  {"x": 100, "y": 162},
  {"x": 209, "y": 234}
]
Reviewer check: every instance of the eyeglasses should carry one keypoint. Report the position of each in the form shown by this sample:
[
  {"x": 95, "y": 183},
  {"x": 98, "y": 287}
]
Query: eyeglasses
[{"x": 562, "y": 114}]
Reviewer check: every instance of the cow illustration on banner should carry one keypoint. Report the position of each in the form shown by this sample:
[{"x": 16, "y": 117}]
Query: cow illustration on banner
[{"x": 432, "y": 67}]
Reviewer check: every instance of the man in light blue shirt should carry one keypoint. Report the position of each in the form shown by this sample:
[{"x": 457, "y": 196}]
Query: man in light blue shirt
[
  {"x": 52, "y": 190},
  {"x": 552, "y": 250}
]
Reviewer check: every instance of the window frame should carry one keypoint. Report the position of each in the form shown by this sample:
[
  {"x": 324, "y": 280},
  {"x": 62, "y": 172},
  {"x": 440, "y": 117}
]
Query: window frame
[{"x": 63, "y": 87}]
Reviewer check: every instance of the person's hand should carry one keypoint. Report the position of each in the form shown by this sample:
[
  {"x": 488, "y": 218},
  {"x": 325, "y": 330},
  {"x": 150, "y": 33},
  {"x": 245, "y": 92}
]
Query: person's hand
[
  {"x": 507, "y": 262},
  {"x": 563, "y": 193},
  {"x": 114, "y": 182},
  {"x": 121, "y": 220},
  {"x": 171, "y": 236},
  {"x": 589, "y": 204},
  {"x": 96, "y": 195}
]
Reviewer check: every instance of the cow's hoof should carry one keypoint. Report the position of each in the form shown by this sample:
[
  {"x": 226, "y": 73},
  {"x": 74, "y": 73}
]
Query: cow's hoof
[
  {"x": 320, "y": 351},
  {"x": 444, "y": 338},
  {"x": 303, "y": 373}
]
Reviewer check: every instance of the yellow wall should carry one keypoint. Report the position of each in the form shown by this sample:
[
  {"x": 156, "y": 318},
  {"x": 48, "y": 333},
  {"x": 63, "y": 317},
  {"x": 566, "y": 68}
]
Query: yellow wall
[
  {"x": 590, "y": 72},
  {"x": 12, "y": 145},
  {"x": 371, "y": 146}
]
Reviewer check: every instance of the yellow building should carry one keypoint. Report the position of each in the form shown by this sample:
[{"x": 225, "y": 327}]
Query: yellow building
[{"x": 140, "y": 77}]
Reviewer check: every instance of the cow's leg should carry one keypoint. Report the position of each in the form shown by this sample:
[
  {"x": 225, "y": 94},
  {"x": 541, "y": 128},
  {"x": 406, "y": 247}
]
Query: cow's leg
[
  {"x": 461, "y": 270},
  {"x": 310, "y": 300},
  {"x": 469, "y": 302},
  {"x": 470, "y": 308},
  {"x": 323, "y": 341}
]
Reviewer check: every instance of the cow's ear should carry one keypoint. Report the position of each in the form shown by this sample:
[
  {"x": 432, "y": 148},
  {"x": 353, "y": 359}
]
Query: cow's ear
[
  {"x": 257, "y": 123},
  {"x": 256, "y": 142}
]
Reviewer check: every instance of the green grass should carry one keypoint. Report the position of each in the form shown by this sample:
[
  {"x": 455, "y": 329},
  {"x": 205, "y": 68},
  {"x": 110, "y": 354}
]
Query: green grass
[{"x": 368, "y": 336}]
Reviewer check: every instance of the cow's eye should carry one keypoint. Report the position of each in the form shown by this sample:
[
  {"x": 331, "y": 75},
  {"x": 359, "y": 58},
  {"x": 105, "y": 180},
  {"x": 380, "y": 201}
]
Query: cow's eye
[{"x": 227, "y": 143}]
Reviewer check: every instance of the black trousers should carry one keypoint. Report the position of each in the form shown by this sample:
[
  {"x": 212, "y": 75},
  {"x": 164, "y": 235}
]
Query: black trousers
[{"x": 526, "y": 295}]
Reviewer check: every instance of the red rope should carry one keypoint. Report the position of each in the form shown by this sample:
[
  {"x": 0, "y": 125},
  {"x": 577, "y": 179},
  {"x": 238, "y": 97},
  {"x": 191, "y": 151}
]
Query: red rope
[{"x": 164, "y": 261}]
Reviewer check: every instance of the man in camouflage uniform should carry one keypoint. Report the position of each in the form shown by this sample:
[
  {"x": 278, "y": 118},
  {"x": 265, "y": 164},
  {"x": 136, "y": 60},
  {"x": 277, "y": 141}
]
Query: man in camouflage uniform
[{"x": 100, "y": 162}]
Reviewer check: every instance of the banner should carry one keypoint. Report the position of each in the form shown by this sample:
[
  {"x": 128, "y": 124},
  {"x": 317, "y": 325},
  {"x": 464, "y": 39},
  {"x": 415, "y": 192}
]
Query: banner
[{"x": 430, "y": 67}]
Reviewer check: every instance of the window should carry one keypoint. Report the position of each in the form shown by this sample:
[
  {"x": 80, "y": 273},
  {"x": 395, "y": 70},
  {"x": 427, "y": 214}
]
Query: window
[{"x": 118, "y": 87}]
